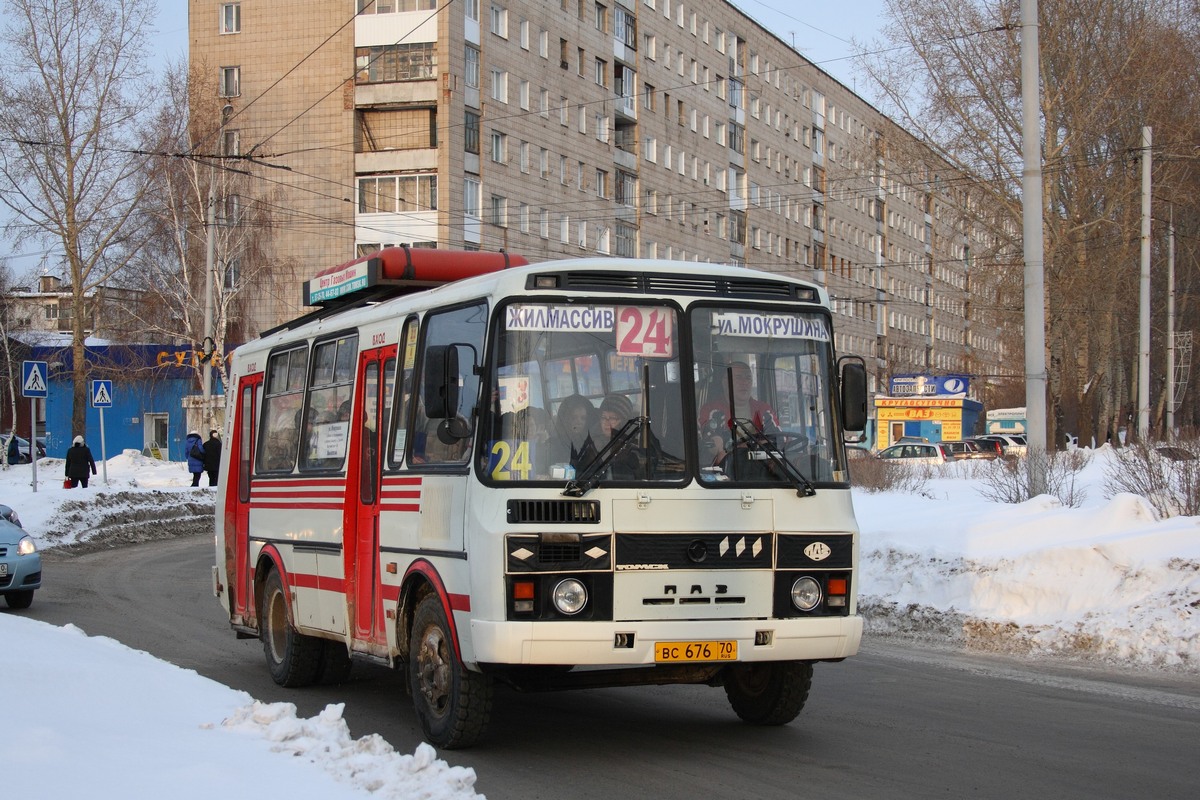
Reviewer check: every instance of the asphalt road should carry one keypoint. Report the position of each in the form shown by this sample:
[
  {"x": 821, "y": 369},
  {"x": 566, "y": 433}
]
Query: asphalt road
[{"x": 893, "y": 722}]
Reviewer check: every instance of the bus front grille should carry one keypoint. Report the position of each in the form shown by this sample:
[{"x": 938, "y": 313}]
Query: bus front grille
[{"x": 553, "y": 512}]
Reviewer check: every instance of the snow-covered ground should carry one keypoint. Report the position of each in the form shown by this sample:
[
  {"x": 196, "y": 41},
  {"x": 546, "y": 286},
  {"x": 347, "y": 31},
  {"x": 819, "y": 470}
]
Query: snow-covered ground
[{"x": 1104, "y": 580}]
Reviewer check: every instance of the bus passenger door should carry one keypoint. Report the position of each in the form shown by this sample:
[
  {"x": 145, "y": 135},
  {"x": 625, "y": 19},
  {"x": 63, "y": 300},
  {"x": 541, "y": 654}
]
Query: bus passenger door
[
  {"x": 364, "y": 598},
  {"x": 239, "y": 571}
]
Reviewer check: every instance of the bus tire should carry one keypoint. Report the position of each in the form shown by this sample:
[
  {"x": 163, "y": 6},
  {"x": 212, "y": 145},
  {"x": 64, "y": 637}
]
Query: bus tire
[
  {"x": 768, "y": 693},
  {"x": 336, "y": 664},
  {"x": 452, "y": 703},
  {"x": 293, "y": 659}
]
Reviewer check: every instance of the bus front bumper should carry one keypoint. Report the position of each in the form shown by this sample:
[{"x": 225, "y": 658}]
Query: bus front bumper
[{"x": 638, "y": 643}]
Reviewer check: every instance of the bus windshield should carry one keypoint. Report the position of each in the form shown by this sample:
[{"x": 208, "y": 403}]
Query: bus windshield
[
  {"x": 579, "y": 387},
  {"x": 599, "y": 393},
  {"x": 777, "y": 366}
]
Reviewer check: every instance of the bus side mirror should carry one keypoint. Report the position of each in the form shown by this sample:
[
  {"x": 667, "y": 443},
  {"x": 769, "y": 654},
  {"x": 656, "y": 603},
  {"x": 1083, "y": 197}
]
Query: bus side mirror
[
  {"x": 853, "y": 380},
  {"x": 440, "y": 383}
]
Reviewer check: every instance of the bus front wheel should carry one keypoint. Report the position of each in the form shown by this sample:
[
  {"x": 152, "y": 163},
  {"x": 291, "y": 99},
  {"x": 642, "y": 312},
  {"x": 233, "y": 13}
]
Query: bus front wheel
[
  {"x": 768, "y": 693},
  {"x": 292, "y": 658},
  {"x": 452, "y": 703}
]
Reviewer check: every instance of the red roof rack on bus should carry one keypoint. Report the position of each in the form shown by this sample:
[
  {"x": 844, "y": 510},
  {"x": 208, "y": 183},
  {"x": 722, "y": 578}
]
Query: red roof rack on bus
[{"x": 391, "y": 272}]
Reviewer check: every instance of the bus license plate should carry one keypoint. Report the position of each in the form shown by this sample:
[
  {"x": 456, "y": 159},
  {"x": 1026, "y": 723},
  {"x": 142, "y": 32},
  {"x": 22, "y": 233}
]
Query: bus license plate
[{"x": 670, "y": 652}]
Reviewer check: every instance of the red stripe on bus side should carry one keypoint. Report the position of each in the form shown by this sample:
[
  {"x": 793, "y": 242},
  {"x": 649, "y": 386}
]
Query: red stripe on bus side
[
  {"x": 413, "y": 507},
  {"x": 298, "y": 506},
  {"x": 324, "y": 583}
]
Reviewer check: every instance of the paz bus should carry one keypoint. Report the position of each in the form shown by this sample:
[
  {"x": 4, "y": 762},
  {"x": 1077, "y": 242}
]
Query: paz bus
[{"x": 415, "y": 475}]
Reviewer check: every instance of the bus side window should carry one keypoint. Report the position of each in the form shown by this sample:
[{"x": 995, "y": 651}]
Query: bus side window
[
  {"x": 403, "y": 388},
  {"x": 283, "y": 398}
]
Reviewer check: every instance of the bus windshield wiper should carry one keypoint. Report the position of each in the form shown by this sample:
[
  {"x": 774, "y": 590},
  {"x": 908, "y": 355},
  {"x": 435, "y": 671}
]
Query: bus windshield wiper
[
  {"x": 589, "y": 478},
  {"x": 760, "y": 443}
]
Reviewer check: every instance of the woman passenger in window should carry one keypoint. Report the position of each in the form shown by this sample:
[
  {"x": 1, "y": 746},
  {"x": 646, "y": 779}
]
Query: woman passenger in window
[{"x": 573, "y": 443}]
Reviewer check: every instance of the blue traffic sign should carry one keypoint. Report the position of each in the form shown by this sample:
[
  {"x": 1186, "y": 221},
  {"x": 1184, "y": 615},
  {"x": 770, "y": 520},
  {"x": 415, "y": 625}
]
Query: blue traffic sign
[
  {"x": 33, "y": 379},
  {"x": 101, "y": 394}
]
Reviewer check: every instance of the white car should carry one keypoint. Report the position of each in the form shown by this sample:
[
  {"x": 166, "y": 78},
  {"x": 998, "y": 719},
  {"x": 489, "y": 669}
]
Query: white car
[
  {"x": 916, "y": 453},
  {"x": 1014, "y": 444}
]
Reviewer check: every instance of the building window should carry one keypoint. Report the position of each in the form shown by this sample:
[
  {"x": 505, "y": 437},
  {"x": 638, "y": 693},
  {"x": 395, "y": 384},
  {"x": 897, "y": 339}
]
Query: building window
[
  {"x": 601, "y": 18},
  {"x": 471, "y": 132},
  {"x": 626, "y": 240},
  {"x": 397, "y": 193},
  {"x": 395, "y": 62},
  {"x": 231, "y": 142},
  {"x": 601, "y": 183},
  {"x": 648, "y": 97},
  {"x": 231, "y": 18},
  {"x": 472, "y": 196},
  {"x": 471, "y": 73},
  {"x": 499, "y": 85},
  {"x": 601, "y": 72},
  {"x": 626, "y": 188},
  {"x": 390, "y": 6},
  {"x": 500, "y": 21},
  {"x": 231, "y": 82},
  {"x": 472, "y": 10},
  {"x": 626, "y": 30},
  {"x": 499, "y": 147},
  {"x": 499, "y": 211}
]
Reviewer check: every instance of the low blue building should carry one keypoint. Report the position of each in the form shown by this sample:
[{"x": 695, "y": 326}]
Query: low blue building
[{"x": 149, "y": 385}]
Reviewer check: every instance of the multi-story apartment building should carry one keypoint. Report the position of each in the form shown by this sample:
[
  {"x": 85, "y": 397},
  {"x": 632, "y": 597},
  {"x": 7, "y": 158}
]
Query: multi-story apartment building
[{"x": 555, "y": 128}]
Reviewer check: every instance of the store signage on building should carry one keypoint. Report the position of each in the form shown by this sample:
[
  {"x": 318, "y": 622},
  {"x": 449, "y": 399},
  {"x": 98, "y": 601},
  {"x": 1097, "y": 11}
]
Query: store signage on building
[{"x": 929, "y": 385}]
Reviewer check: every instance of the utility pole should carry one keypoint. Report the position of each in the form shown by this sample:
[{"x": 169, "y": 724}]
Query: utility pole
[
  {"x": 1035, "y": 267},
  {"x": 1143, "y": 393},
  {"x": 1171, "y": 325}
]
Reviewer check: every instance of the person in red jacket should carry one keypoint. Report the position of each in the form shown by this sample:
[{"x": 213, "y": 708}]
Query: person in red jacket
[{"x": 716, "y": 423}]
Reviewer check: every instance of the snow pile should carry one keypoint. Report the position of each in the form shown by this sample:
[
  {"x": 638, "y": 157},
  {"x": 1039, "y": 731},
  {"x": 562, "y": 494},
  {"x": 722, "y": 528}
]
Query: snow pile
[
  {"x": 1107, "y": 580},
  {"x": 101, "y": 720}
]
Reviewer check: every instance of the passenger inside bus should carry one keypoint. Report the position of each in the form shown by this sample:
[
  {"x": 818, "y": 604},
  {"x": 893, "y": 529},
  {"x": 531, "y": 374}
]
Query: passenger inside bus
[
  {"x": 573, "y": 441},
  {"x": 631, "y": 463},
  {"x": 716, "y": 425}
]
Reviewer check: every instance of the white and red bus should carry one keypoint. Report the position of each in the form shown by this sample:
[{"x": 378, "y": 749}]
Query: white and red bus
[{"x": 476, "y": 471}]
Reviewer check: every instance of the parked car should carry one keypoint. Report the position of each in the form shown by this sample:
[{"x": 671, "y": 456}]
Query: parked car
[
  {"x": 968, "y": 449},
  {"x": 23, "y": 448},
  {"x": 1013, "y": 444},
  {"x": 20, "y": 564},
  {"x": 9, "y": 513},
  {"x": 992, "y": 446},
  {"x": 857, "y": 452},
  {"x": 916, "y": 453}
]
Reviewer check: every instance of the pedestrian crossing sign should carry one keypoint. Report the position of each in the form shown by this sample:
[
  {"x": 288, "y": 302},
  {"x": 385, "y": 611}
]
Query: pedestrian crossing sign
[
  {"x": 33, "y": 379},
  {"x": 101, "y": 394}
]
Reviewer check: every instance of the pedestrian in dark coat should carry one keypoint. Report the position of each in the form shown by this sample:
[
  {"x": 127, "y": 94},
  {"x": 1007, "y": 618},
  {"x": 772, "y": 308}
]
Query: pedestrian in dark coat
[
  {"x": 194, "y": 447},
  {"x": 212, "y": 457},
  {"x": 79, "y": 463}
]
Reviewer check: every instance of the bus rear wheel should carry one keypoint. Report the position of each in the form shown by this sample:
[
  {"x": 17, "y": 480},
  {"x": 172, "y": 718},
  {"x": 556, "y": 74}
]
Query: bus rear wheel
[
  {"x": 293, "y": 659},
  {"x": 452, "y": 703},
  {"x": 769, "y": 693}
]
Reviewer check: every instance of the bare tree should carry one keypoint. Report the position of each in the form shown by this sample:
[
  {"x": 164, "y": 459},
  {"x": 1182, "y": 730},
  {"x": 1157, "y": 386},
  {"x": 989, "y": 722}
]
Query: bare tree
[
  {"x": 1108, "y": 67},
  {"x": 74, "y": 96},
  {"x": 207, "y": 167}
]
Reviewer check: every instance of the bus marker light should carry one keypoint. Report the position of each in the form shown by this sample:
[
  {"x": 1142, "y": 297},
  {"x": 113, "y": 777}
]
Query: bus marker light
[{"x": 836, "y": 586}]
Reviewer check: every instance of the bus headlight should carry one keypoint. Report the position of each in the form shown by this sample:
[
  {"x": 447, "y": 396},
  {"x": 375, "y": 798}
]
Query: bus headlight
[
  {"x": 806, "y": 593},
  {"x": 570, "y": 596}
]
